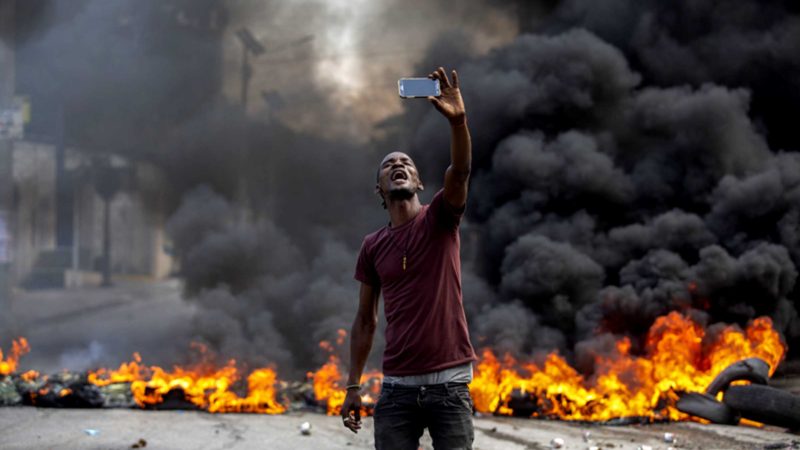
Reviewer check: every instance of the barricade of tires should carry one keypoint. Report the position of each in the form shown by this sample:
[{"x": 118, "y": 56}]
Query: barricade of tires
[{"x": 756, "y": 401}]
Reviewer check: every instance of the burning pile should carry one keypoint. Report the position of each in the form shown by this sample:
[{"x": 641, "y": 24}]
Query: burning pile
[
  {"x": 329, "y": 381},
  {"x": 679, "y": 355},
  {"x": 18, "y": 348},
  {"x": 204, "y": 385}
]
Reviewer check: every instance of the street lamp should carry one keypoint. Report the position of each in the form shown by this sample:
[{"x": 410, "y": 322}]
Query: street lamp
[{"x": 250, "y": 46}]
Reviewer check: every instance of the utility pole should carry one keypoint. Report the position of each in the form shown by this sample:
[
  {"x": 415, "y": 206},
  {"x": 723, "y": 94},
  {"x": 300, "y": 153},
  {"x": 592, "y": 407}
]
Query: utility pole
[
  {"x": 7, "y": 70},
  {"x": 250, "y": 46},
  {"x": 6, "y": 53},
  {"x": 108, "y": 181}
]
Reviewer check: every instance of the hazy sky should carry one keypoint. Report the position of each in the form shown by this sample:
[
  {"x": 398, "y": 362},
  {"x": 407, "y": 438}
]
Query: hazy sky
[{"x": 359, "y": 50}]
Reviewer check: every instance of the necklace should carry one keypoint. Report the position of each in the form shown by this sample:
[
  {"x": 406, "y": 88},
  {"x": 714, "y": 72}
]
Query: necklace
[{"x": 404, "y": 249}]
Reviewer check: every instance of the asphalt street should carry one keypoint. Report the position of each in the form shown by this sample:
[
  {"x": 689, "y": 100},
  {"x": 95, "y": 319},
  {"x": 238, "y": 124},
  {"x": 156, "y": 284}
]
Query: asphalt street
[
  {"x": 29, "y": 428},
  {"x": 91, "y": 327}
]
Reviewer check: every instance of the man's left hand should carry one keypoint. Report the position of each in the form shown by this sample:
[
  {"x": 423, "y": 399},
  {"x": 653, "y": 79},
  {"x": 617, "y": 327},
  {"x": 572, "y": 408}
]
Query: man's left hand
[
  {"x": 450, "y": 103},
  {"x": 351, "y": 410}
]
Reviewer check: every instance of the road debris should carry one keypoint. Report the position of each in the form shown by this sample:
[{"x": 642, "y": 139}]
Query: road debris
[
  {"x": 305, "y": 429},
  {"x": 8, "y": 393},
  {"x": 117, "y": 395}
]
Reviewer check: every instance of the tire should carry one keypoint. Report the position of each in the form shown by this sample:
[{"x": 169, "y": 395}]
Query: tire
[
  {"x": 754, "y": 370},
  {"x": 765, "y": 404},
  {"x": 707, "y": 407}
]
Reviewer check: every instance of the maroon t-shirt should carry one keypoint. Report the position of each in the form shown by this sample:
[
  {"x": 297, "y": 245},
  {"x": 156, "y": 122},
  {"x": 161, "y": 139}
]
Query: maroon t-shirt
[{"x": 426, "y": 329}]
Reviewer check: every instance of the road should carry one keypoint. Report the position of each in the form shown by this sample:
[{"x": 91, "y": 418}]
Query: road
[
  {"x": 86, "y": 328},
  {"x": 28, "y": 428}
]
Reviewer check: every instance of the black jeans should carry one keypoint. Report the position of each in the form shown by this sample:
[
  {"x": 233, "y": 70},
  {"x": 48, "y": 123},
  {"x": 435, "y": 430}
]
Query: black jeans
[{"x": 403, "y": 412}]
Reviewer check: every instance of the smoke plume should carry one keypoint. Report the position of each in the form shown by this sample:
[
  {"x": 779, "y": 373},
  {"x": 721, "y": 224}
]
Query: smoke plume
[
  {"x": 629, "y": 162},
  {"x": 630, "y": 158}
]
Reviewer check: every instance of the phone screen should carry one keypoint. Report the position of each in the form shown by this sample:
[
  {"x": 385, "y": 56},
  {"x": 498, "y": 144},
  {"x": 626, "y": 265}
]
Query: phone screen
[{"x": 418, "y": 87}]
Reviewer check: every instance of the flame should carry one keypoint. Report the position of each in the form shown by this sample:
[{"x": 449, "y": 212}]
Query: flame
[
  {"x": 19, "y": 347},
  {"x": 679, "y": 356},
  {"x": 126, "y": 373},
  {"x": 29, "y": 376},
  {"x": 329, "y": 384},
  {"x": 204, "y": 385}
]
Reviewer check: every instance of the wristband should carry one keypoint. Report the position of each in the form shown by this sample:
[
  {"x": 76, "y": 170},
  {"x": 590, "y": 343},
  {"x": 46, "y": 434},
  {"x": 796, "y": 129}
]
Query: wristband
[{"x": 353, "y": 386}]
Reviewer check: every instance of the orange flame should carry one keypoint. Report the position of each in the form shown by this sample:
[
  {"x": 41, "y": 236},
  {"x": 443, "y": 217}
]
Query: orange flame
[
  {"x": 19, "y": 347},
  {"x": 679, "y": 356},
  {"x": 329, "y": 384},
  {"x": 29, "y": 375},
  {"x": 126, "y": 373},
  {"x": 202, "y": 384}
]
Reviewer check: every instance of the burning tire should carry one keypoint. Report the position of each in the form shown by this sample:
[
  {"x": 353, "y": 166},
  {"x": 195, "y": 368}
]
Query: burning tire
[
  {"x": 707, "y": 407},
  {"x": 754, "y": 370},
  {"x": 765, "y": 404}
]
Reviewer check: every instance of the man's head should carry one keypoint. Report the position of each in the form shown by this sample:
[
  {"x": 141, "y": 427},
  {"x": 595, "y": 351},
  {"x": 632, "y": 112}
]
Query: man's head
[{"x": 397, "y": 178}]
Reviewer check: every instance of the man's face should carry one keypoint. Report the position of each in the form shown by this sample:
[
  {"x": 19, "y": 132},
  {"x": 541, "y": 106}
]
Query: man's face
[{"x": 398, "y": 177}]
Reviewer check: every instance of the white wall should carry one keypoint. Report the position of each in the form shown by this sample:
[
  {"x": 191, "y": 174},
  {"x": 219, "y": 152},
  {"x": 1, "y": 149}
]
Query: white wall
[{"x": 33, "y": 168}]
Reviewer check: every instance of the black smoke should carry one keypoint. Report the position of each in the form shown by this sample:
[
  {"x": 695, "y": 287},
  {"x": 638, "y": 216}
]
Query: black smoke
[
  {"x": 632, "y": 159},
  {"x": 264, "y": 218}
]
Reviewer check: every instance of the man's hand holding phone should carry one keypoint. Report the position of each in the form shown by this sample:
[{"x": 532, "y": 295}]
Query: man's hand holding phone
[{"x": 449, "y": 103}]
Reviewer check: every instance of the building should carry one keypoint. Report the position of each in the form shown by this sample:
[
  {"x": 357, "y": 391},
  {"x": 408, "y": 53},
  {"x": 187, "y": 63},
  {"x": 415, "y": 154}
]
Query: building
[
  {"x": 77, "y": 186},
  {"x": 137, "y": 241}
]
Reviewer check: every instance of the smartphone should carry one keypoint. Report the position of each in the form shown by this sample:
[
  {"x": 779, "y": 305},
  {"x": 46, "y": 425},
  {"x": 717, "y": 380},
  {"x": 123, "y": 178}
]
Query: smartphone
[{"x": 418, "y": 87}]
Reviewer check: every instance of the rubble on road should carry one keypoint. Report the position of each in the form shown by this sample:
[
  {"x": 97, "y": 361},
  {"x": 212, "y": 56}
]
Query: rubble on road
[
  {"x": 117, "y": 395},
  {"x": 8, "y": 393}
]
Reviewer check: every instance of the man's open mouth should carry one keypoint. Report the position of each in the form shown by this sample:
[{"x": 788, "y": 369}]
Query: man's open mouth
[{"x": 399, "y": 175}]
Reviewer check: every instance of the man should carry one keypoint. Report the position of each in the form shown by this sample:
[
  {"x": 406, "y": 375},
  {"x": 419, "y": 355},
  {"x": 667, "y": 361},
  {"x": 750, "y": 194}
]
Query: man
[{"x": 414, "y": 261}]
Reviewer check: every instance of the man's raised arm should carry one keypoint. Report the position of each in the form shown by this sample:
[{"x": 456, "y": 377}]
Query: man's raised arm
[{"x": 451, "y": 105}]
